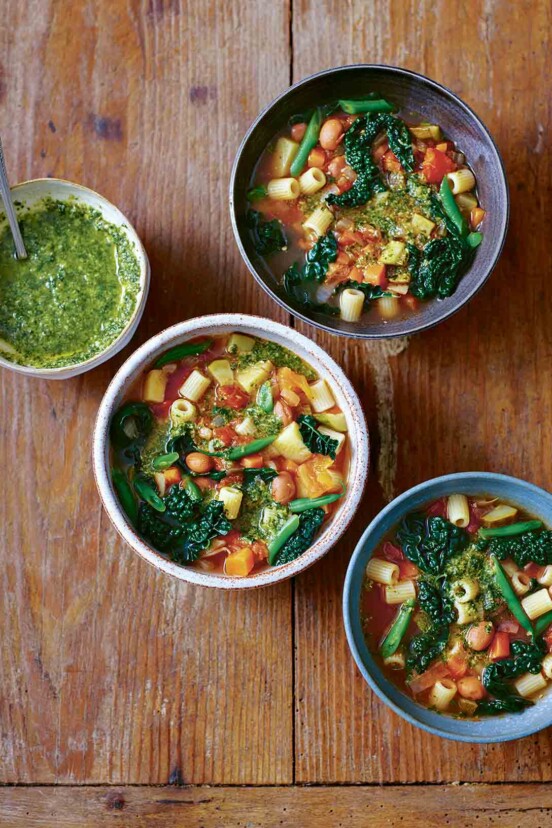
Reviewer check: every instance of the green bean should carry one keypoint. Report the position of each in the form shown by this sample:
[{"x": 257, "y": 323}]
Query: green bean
[
  {"x": 148, "y": 493},
  {"x": 180, "y": 351},
  {"x": 474, "y": 239},
  {"x": 513, "y": 602},
  {"x": 309, "y": 141},
  {"x": 256, "y": 193},
  {"x": 543, "y": 622},
  {"x": 304, "y": 503},
  {"x": 264, "y": 398},
  {"x": 397, "y": 631},
  {"x": 451, "y": 207},
  {"x": 165, "y": 460},
  {"x": 124, "y": 493},
  {"x": 237, "y": 452},
  {"x": 365, "y": 105},
  {"x": 192, "y": 490},
  {"x": 132, "y": 422},
  {"x": 290, "y": 526},
  {"x": 511, "y": 530}
]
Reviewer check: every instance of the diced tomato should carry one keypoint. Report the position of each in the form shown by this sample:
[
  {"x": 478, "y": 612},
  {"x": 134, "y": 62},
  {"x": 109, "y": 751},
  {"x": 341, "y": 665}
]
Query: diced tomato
[
  {"x": 438, "y": 508},
  {"x": 428, "y": 679},
  {"x": 350, "y": 237},
  {"x": 533, "y": 570},
  {"x": 392, "y": 553},
  {"x": 548, "y": 638},
  {"x": 457, "y": 665},
  {"x": 390, "y": 162},
  {"x": 436, "y": 165},
  {"x": 374, "y": 274},
  {"x": 232, "y": 396},
  {"x": 172, "y": 475},
  {"x": 232, "y": 478},
  {"x": 355, "y": 275},
  {"x": 254, "y": 461},
  {"x": 508, "y": 625},
  {"x": 225, "y": 434},
  {"x": 408, "y": 569},
  {"x": 500, "y": 646},
  {"x": 161, "y": 410}
]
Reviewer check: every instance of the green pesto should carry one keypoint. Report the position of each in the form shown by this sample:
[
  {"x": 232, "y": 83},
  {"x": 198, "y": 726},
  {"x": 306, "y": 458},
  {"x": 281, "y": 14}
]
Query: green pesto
[
  {"x": 260, "y": 516},
  {"x": 76, "y": 291},
  {"x": 265, "y": 423},
  {"x": 155, "y": 445},
  {"x": 278, "y": 356},
  {"x": 475, "y": 564},
  {"x": 391, "y": 213}
]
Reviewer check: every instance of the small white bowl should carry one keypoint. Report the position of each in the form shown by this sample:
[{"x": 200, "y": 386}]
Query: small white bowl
[
  {"x": 31, "y": 192},
  {"x": 346, "y": 398}
]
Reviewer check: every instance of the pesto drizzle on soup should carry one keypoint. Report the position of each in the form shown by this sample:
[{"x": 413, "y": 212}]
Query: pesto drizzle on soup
[
  {"x": 457, "y": 605},
  {"x": 76, "y": 291},
  {"x": 230, "y": 454},
  {"x": 356, "y": 208}
]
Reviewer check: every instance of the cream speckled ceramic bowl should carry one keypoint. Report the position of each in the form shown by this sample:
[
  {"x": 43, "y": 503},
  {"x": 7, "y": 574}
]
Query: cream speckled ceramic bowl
[
  {"x": 345, "y": 396},
  {"x": 29, "y": 193}
]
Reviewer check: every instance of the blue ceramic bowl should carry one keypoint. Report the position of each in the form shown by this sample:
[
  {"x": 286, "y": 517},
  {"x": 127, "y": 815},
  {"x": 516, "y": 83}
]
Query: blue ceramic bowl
[{"x": 496, "y": 729}]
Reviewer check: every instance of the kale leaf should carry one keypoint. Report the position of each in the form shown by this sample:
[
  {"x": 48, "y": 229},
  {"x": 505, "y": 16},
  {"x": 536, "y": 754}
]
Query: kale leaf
[
  {"x": 425, "y": 647},
  {"x": 358, "y": 154},
  {"x": 526, "y": 658},
  {"x": 434, "y": 600},
  {"x": 370, "y": 291},
  {"x": 266, "y": 474},
  {"x": 430, "y": 542},
  {"x": 199, "y": 533},
  {"x": 317, "y": 442},
  {"x": 535, "y": 546},
  {"x": 268, "y": 236},
  {"x": 162, "y": 535},
  {"x": 294, "y": 287},
  {"x": 179, "y": 506},
  {"x": 309, "y": 524},
  {"x": 436, "y": 269}
]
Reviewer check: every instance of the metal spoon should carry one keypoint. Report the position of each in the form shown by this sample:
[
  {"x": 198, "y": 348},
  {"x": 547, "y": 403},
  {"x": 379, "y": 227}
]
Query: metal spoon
[{"x": 5, "y": 193}]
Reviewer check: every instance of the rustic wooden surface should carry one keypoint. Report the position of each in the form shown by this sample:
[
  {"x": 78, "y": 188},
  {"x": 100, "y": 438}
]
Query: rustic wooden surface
[{"x": 110, "y": 673}]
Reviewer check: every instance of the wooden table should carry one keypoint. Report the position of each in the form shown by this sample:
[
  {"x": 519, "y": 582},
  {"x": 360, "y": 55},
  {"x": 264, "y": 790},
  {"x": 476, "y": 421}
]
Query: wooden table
[{"x": 115, "y": 679}]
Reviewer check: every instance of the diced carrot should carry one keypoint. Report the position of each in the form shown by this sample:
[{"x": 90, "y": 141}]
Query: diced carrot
[
  {"x": 374, "y": 274},
  {"x": 444, "y": 146},
  {"x": 287, "y": 465},
  {"x": 240, "y": 563},
  {"x": 457, "y": 665},
  {"x": 296, "y": 382},
  {"x": 476, "y": 217},
  {"x": 172, "y": 475},
  {"x": 313, "y": 478},
  {"x": 254, "y": 461},
  {"x": 355, "y": 275},
  {"x": 436, "y": 165},
  {"x": 508, "y": 625},
  {"x": 392, "y": 553},
  {"x": 390, "y": 162},
  {"x": 317, "y": 158},
  {"x": 500, "y": 646},
  {"x": 533, "y": 570},
  {"x": 297, "y": 131},
  {"x": 428, "y": 679},
  {"x": 408, "y": 569}
]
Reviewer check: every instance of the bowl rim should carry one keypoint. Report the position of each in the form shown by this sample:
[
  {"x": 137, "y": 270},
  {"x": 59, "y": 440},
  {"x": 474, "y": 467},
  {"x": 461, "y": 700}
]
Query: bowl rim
[
  {"x": 265, "y": 328},
  {"x": 371, "y": 335},
  {"x": 351, "y": 608},
  {"x": 68, "y": 371}
]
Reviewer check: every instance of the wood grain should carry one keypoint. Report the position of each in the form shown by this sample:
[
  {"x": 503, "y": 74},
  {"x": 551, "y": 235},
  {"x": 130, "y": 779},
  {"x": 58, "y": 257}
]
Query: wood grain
[
  {"x": 509, "y": 806},
  {"x": 467, "y": 395},
  {"x": 109, "y": 671}
]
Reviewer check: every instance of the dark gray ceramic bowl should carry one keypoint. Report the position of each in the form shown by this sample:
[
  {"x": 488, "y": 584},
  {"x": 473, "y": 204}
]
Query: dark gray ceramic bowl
[
  {"x": 413, "y": 94},
  {"x": 494, "y": 729}
]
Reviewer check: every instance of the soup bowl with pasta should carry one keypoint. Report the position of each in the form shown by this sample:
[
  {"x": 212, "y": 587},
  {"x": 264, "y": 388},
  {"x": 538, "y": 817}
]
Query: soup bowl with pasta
[
  {"x": 448, "y": 606},
  {"x": 230, "y": 451}
]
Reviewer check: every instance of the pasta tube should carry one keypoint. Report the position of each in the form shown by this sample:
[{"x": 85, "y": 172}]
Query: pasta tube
[
  {"x": 510, "y": 567},
  {"x": 311, "y": 181},
  {"x": 465, "y": 590},
  {"x": 283, "y": 189},
  {"x": 246, "y": 428},
  {"x": 351, "y": 304},
  {"x": 231, "y": 498},
  {"x": 396, "y": 661},
  {"x": 466, "y": 612},
  {"x": 319, "y": 221},
  {"x": 545, "y": 577},
  {"x": 322, "y": 397},
  {"x": 521, "y": 582},
  {"x": 382, "y": 572},
  {"x": 461, "y": 180},
  {"x": 401, "y": 592},
  {"x": 182, "y": 411},
  {"x": 388, "y": 307},
  {"x": 529, "y": 684},
  {"x": 537, "y": 604},
  {"x": 458, "y": 510},
  {"x": 195, "y": 386},
  {"x": 442, "y": 693}
]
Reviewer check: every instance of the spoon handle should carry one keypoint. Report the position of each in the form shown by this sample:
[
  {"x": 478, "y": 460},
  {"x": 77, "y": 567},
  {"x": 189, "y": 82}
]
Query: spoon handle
[{"x": 5, "y": 192}]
